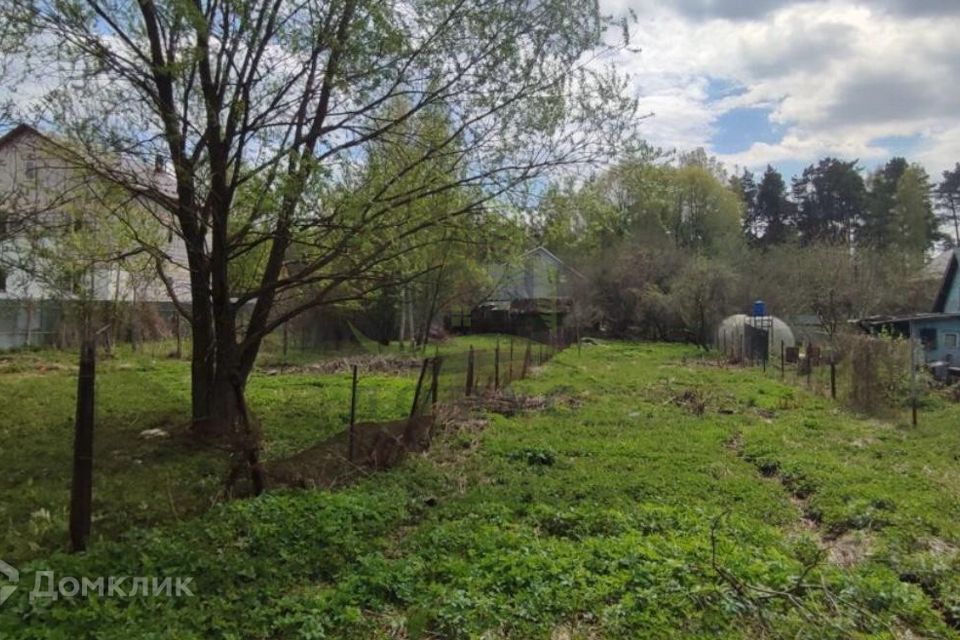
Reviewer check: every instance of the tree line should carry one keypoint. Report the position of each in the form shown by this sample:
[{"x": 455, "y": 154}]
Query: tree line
[{"x": 671, "y": 242}]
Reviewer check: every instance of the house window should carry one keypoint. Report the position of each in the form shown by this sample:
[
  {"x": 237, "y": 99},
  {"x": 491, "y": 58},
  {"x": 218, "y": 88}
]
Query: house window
[
  {"x": 30, "y": 169},
  {"x": 950, "y": 340},
  {"x": 928, "y": 337}
]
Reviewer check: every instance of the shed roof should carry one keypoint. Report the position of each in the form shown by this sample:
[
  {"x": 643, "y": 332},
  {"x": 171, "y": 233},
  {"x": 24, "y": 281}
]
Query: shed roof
[{"x": 911, "y": 317}]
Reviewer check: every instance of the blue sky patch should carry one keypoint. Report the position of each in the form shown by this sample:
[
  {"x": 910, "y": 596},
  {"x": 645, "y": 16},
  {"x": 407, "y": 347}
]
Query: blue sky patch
[
  {"x": 719, "y": 88},
  {"x": 738, "y": 129}
]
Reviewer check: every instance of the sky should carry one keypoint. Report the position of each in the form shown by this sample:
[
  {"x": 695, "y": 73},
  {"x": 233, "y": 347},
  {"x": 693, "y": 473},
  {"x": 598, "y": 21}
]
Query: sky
[{"x": 787, "y": 82}]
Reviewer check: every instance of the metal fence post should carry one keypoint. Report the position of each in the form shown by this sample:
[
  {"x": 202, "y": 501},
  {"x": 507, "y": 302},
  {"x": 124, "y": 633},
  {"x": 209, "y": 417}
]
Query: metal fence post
[
  {"x": 176, "y": 326},
  {"x": 435, "y": 383},
  {"x": 469, "y": 384},
  {"x": 81, "y": 490},
  {"x": 783, "y": 369},
  {"x": 353, "y": 416},
  {"x": 416, "y": 394},
  {"x": 833, "y": 377},
  {"x": 496, "y": 366}
]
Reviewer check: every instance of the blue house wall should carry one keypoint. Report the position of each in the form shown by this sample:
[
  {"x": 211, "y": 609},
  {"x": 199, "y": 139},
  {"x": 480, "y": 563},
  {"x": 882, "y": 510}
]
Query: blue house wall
[{"x": 945, "y": 342}]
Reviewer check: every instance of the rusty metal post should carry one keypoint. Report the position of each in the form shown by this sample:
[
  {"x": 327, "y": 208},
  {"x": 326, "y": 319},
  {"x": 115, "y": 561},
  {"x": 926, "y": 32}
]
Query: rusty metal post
[
  {"x": 176, "y": 327},
  {"x": 833, "y": 377},
  {"x": 469, "y": 384},
  {"x": 435, "y": 383},
  {"x": 81, "y": 490},
  {"x": 417, "y": 393},
  {"x": 496, "y": 367},
  {"x": 353, "y": 416}
]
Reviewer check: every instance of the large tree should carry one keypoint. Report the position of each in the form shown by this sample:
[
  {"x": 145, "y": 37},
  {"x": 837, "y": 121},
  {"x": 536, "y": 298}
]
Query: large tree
[
  {"x": 948, "y": 201},
  {"x": 915, "y": 224},
  {"x": 773, "y": 211},
  {"x": 830, "y": 197},
  {"x": 265, "y": 109},
  {"x": 879, "y": 227},
  {"x": 745, "y": 186}
]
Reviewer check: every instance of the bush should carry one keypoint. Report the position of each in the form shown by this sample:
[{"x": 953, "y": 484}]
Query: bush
[{"x": 878, "y": 371}]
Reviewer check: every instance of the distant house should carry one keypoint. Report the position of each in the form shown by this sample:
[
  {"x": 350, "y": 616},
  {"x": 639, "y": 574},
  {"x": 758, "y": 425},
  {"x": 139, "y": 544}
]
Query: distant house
[
  {"x": 529, "y": 297},
  {"x": 44, "y": 195},
  {"x": 938, "y": 330}
]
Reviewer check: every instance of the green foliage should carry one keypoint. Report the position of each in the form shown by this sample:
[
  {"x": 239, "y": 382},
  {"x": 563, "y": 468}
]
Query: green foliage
[{"x": 651, "y": 522}]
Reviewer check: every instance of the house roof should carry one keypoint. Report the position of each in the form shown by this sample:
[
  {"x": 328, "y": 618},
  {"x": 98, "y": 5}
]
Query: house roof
[
  {"x": 15, "y": 133},
  {"x": 949, "y": 273},
  {"x": 912, "y": 317}
]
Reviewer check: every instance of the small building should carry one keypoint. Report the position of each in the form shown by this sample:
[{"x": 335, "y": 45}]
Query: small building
[
  {"x": 938, "y": 331},
  {"x": 530, "y": 297}
]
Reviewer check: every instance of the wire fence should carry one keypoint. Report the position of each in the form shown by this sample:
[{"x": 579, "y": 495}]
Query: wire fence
[
  {"x": 405, "y": 416},
  {"x": 882, "y": 376}
]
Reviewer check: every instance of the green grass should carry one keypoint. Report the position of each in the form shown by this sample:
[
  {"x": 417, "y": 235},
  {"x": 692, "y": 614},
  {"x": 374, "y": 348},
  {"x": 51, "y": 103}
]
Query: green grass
[
  {"x": 659, "y": 496},
  {"x": 139, "y": 482}
]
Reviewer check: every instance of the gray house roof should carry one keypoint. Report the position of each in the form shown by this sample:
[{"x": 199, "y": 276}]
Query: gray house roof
[{"x": 539, "y": 274}]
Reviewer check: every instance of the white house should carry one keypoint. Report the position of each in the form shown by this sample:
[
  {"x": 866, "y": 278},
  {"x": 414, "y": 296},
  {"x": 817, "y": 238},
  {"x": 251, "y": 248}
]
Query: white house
[{"x": 65, "y": 234}]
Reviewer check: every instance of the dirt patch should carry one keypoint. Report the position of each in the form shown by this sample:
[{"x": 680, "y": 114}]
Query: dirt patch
[
  {"x": 378, "y": 446},
  {"x": 691, "y": 399},
  {"x": 848, "y": 549},
  {"x": 505, "y": 403},
  {"x": 365, "y": 363}
]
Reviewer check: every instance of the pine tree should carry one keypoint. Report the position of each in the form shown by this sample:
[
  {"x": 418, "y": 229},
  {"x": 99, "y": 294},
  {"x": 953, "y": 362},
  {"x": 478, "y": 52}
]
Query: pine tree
[
  {"x": 948, "y": 201},
  {"x": 773, "y": 210},
  {"x": 914, "y": 221},
  {"x": 745, "y": 186},
  {"x": 880, "y": 227}
]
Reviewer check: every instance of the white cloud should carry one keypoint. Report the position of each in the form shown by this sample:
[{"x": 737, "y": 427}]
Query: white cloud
[{"x": 837, "y": 74}]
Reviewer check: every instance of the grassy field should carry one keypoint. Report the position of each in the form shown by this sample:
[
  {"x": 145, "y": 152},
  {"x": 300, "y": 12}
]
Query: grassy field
[
  {"x": 656, "y": 496},
  {"x": 144, "y": 482}
]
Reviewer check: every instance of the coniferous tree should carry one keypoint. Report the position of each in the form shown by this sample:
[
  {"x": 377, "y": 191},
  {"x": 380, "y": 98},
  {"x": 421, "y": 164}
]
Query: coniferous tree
[
  {"x": 745, "y": 186},
  {"x": 948, "y": 201},
  {"x": 915, "y": 224},
  {"x": 879, "y": 228},
  {"x": 831, "y": 198},
  {"x": 773, "y": 210}
]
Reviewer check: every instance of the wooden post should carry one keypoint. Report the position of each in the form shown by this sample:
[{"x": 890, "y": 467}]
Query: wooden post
[
  {"x": 527, "y": 361},
  {"x": 435, "y": 382},
  {"x": 510, "y": 365},
  {"x": 285, "y": 341},
  {"x": 496, "y": 366},
  {"x": 353, "y": 416},
  {"x": 81, "y": 490},
  {"x": 469, "y": 384}
]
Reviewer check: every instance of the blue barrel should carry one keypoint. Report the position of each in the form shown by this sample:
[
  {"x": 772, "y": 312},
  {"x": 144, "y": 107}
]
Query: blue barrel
[{"x": 759, "y": 309}]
